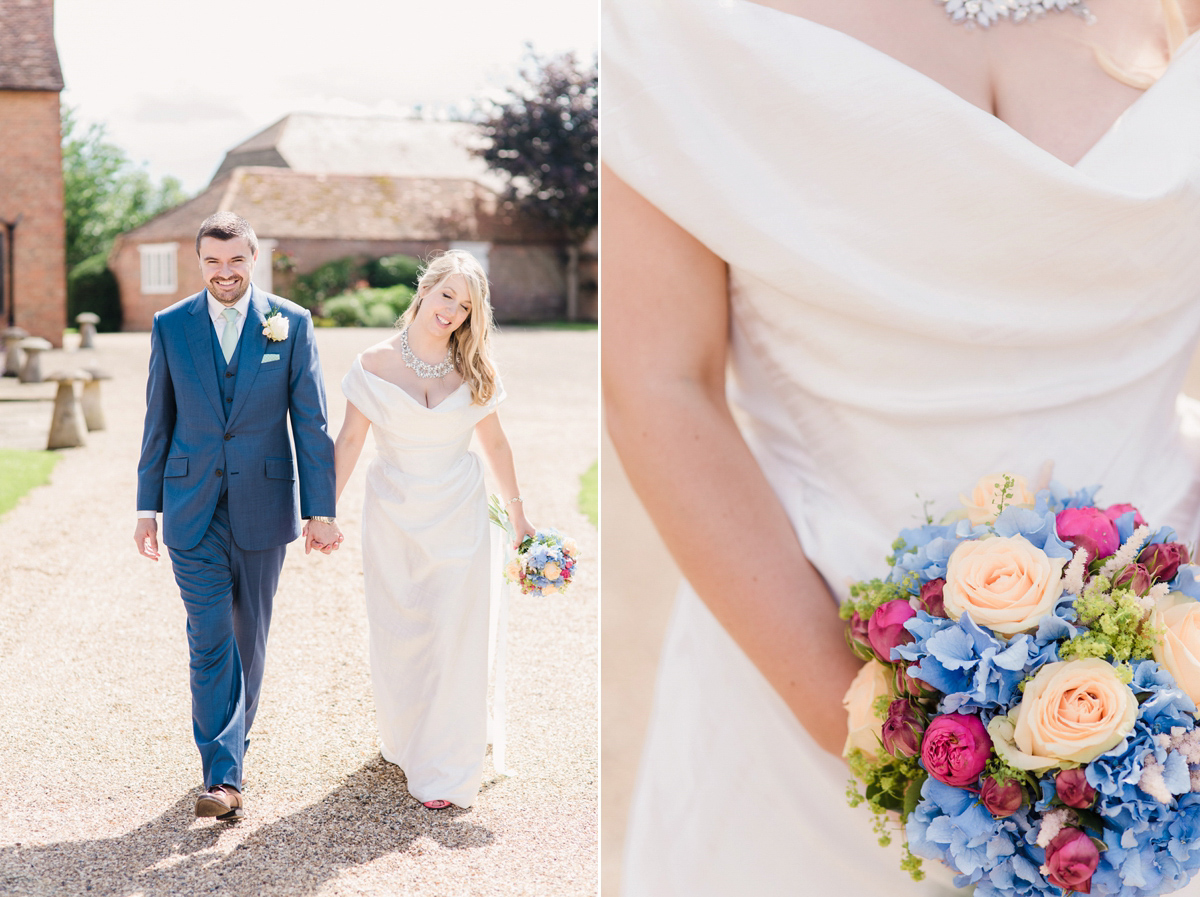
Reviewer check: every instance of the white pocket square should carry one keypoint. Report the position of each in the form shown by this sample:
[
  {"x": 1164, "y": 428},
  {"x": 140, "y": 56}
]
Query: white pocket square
[{"x": 267, "y": 358}]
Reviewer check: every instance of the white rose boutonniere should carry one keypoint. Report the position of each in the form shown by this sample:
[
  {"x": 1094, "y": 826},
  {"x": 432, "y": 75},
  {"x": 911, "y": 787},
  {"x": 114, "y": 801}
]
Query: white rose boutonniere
[{"x": 275, "y": 325}]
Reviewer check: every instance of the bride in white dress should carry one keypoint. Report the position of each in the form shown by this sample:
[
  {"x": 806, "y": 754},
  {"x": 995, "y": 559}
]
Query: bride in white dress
[
  {"x": 899, "y": 253},
  {"x": 427, "y": 560}
]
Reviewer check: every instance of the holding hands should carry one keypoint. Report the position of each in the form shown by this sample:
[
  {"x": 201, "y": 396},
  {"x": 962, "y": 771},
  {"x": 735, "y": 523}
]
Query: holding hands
[{"x": 321, "y": 533}]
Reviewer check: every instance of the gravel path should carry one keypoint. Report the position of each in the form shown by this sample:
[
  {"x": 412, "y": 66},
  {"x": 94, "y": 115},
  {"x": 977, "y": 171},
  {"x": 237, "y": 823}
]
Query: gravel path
[{"x": 97, "y": 765}]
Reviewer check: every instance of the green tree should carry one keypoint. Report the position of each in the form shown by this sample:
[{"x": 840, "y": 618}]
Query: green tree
[
  {"x": 104, "y": 193},
  {"x": 543, "y": 137}
]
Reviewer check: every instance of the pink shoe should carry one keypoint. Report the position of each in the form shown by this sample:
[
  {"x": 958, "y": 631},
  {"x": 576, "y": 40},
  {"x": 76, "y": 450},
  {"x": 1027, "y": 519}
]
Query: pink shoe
[{"x": 436, "y": 804}]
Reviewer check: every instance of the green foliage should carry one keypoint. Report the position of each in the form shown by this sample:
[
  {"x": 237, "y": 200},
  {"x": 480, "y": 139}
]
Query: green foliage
[
  {"x": 1116, "y": 624},
  {"x": 394, "y": 270},
  {"x": 92, "y": 287},
  {"x": 1004, "y": 490},
  {"x": 21, "y": 471},
  {"x": 866, "y": 596},
  {"x": 890, "y": 785},
  {"x": 367, "y": 308},
  {"x": 331, "y": 279},
  {"x": 544, "y": 138},
  {"x": 104, "y": 193},
  {"x": 589, "y": 504}
]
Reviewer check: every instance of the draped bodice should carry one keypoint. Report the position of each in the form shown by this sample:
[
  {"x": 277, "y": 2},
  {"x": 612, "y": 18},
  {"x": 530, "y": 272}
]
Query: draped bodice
[
  {"x": 426, "y": 443},
  {"x": 920, "y": 295}
]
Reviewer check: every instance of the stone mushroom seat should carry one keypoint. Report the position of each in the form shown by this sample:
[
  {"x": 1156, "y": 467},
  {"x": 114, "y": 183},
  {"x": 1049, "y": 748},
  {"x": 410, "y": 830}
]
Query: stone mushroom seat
[
  {"x": 12, "y": 350},
  {"x": 87, "y": 321},
  {"x": 93, "y": 412},
  {"x": 31, "y": 371},
  {"x": 67, "y": 426}
]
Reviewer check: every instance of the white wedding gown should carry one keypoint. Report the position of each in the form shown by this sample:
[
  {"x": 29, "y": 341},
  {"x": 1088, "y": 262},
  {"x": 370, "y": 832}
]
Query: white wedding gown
[
  {"x": 919, "y": 296},
  {"x": 427, "y": 573}
]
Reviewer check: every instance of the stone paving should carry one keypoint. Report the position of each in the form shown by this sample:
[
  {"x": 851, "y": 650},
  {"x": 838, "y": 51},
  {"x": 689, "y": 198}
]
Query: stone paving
[{"x": 97, "y": 763}]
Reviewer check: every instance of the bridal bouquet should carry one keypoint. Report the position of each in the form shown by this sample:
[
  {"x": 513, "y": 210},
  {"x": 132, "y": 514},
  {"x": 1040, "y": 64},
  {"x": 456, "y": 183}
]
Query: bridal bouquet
[
  {"x": 544, "y": 563},
  {"x": 1028, "y": 704}
]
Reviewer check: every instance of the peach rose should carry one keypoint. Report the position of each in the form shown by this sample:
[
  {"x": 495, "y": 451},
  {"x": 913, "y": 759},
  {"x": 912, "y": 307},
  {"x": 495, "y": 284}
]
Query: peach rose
[
  {"x": 982, "y": 505},
  {"x": 1177, "y": 619},
  {"x": 873, "y": 681},
  {"x": 551, "y": 570},
  {"x": 1005, "y": 583},
  {"x": 513, "y": 570},
  {"x": 1072, "y": 712}
]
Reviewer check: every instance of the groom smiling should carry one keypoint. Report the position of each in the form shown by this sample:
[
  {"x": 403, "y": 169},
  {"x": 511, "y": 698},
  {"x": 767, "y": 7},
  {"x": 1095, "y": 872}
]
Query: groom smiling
[{"x": 227, "y": 368}]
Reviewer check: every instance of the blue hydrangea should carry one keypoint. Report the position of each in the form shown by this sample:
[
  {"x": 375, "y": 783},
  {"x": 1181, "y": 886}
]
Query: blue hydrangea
[
  {"x": 927, "y": 549},
  {"x": 1185, "y": 581},
  {"x": 950, "y": 825},
  {"x": 1038, "y": 527},
  {"x": 972, "y": 668}
]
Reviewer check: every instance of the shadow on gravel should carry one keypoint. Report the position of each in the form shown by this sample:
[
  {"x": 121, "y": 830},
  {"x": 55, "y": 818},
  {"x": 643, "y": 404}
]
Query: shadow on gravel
[{"x": 370, "y": 815}]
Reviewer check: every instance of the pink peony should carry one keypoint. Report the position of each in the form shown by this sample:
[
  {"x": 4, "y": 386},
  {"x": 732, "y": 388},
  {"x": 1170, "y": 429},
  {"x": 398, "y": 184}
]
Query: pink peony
[
  {"x": 902, "y": 729},
  {"x": 858, "y": 630},
  {"x": 1001, "y": 800},
  {"x": 1112, "y": 512},
  {"x": 1135, "y": 577},
  {"x": 886, "y": 629},
  {"x": 1090, "y": 529},
  {"x": 1071, "y": 858},
  {"x": 1163, "y": 561},
  {"x": 931, "y": 598},
  {"x": 908, "y": 684},
  {"x": 1073, "y": 789},
  {"x": 955, "y": 749}
]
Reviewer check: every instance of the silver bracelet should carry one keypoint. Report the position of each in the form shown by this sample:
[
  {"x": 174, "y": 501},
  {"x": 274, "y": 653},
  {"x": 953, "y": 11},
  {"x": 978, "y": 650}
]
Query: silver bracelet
[{"x": 511, "y": 500}]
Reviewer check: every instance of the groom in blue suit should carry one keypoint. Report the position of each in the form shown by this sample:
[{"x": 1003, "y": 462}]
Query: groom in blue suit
[{"x": 228, "y": 366}]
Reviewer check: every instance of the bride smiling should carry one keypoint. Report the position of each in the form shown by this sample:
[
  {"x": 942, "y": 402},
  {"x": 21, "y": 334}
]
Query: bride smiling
[
  {"x": 427, "y": 562},
  {"x": 901, "y": 243}
]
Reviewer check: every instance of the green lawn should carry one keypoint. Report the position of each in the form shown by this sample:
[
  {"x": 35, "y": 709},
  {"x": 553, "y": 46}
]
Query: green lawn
[
  {"x": 21, "y": 471},
  {"x": 589, "y": 503}
]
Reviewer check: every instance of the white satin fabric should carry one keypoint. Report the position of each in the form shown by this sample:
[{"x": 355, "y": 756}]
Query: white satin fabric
[
  {"x": 919, "y": 296},
  {"x": 427, "y": 572}
]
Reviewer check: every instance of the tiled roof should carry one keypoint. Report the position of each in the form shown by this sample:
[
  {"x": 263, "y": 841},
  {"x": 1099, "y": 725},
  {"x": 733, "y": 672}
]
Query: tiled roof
[
  {"x": 346, "y": 145},
  {"x": 28, "y": 56},
  {"x": 281, "y": 203}
]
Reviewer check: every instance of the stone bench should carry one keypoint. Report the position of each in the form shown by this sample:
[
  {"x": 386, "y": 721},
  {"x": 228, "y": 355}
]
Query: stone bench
[
  {"x": 93, "y": 413},
  {"x": 31, "y": 371},
  {"x": 12, "y": 350},
  {"x": 87, "y": 321},
  {"x": 67, "y": 426}
]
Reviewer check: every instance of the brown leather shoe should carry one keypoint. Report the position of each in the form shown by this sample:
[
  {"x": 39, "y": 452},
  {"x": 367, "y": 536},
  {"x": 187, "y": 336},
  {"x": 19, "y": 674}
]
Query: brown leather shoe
[{"x": 221, "y": 801}]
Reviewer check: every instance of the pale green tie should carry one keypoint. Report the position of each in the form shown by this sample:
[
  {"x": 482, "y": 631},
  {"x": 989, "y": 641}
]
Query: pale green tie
[{"x": 229, "y": 335}]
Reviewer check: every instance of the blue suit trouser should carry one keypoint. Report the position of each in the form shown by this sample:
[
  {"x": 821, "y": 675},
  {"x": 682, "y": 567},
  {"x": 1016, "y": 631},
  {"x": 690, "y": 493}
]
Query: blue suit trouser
[{"x": 228, "y": 593}]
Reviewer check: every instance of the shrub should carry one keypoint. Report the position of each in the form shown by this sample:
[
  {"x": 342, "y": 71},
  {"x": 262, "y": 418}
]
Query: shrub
[
  {"x": 367, "y": 308},
  {"x": 329, "y": 280},
  {"x": 394, "y": 270},
  {"x": 92, "y": 287}
]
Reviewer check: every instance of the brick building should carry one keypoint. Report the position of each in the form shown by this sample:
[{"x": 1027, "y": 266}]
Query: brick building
[
  {"x": 318, "y": 188},
  {"x": 33, "y": 281}
]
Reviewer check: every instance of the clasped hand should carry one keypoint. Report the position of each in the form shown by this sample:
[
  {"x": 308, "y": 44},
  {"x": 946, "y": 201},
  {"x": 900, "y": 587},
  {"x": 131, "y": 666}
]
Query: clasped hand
[
  {"x": 521, "y": 526},
  {"x": 324, "y": 537}
]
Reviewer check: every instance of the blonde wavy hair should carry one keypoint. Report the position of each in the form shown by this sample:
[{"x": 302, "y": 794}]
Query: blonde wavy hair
[
  {"x": 1177, "y": 32},
  {"x": 470, "y": 344}
]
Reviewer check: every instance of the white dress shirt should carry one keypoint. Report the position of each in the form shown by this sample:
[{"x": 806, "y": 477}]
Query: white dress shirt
[{"x": 215, "y": 310}]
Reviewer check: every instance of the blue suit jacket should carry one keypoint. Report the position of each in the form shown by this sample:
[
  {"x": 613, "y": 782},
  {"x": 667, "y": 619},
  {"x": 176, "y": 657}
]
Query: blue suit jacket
[{"x": 188, "y": 445}]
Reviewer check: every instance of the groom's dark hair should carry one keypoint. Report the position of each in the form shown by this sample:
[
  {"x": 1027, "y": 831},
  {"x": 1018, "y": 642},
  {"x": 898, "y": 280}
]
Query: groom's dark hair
[{"x": 227, "y": 226}]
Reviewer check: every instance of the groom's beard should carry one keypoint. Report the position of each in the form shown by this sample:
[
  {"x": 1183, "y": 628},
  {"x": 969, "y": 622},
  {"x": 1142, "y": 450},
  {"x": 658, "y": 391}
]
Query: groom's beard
[{"x": 222, "y": 294}]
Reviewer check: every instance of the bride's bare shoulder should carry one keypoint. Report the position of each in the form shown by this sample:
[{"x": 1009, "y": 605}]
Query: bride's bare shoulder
[{"x": 380, "y": 358}]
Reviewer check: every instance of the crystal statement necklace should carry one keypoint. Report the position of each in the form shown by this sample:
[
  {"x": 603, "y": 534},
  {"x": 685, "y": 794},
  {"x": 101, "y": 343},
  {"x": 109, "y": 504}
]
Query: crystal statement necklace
[
  {"x": 422, "y": 369},
  {"x": 985, "y": 12}
]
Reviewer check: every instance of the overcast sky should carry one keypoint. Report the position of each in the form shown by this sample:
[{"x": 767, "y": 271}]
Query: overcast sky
[{"x": 179, "y": 84}]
